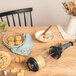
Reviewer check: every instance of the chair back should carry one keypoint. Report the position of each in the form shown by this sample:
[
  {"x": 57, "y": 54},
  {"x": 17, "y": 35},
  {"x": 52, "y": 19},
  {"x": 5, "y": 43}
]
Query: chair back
[{"x": 17, "y": 12}]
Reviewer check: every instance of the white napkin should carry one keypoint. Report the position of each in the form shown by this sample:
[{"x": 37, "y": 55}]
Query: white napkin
[{"x": 64, "y": 34}]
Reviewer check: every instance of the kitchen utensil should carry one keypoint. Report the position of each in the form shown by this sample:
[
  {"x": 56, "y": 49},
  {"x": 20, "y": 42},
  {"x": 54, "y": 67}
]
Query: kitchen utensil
[
  {"x": 46, "y": 30},
  {"x": 37, "y": 62},
  {"x": 58, "y": 50}
]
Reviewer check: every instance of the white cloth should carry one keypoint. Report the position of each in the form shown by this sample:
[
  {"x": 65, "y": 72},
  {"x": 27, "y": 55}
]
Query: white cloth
[{"x": 64, "y": 34}]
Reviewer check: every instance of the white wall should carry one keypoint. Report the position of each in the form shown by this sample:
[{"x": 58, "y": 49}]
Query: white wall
[{"x": 45, "y": 12}]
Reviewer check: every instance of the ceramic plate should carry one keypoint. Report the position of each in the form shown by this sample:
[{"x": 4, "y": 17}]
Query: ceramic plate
[{"x": 40, "y": 32}]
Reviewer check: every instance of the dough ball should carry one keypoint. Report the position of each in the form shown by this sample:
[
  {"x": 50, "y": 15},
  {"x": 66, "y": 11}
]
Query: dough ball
[
  {"x": 48, "y": 36},
  {"x": 4, "y": 60},
  {"x": 14, "y": 70},
  {"x": 11, "y": 43},
  {"x": 11, "y": 39},
  {"x": 18, "y": 42},
  {"x": 18, "y": 74},
  {"x": 17, "y": 38}
]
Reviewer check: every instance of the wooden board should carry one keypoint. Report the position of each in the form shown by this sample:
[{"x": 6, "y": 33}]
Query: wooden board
[{"x": 65, "y": 66}]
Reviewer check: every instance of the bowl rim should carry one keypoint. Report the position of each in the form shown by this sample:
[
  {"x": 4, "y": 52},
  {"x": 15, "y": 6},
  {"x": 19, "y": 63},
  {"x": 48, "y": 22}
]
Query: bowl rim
[
  {"x": 47, "y": 32},
  {"x": 10, "y": 45}
]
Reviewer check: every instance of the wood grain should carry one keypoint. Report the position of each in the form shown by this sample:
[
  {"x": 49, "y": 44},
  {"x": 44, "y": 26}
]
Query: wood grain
[{"x": 65, "y": 66}]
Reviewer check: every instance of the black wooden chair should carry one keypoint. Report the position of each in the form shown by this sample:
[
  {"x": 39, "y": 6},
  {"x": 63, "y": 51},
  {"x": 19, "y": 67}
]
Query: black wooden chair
[{"x": 17, "y": 12}]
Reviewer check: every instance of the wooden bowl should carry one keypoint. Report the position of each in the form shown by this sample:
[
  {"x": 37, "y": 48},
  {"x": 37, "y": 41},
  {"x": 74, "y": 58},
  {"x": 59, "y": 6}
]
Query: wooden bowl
[{"x": 9, "y": 34}]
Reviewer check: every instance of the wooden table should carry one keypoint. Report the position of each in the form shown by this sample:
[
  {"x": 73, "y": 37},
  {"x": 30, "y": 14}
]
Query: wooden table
[{"x": 65, "y": 66}]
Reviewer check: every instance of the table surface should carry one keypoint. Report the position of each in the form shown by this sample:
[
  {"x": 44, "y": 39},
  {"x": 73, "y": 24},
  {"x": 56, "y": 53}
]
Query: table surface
[{"x": 64, "y": 66}]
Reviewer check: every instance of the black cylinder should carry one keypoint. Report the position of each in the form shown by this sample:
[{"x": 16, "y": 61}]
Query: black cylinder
[
  {"x": 55, "y": 52},
  {"x": 32, "y": 64}
]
